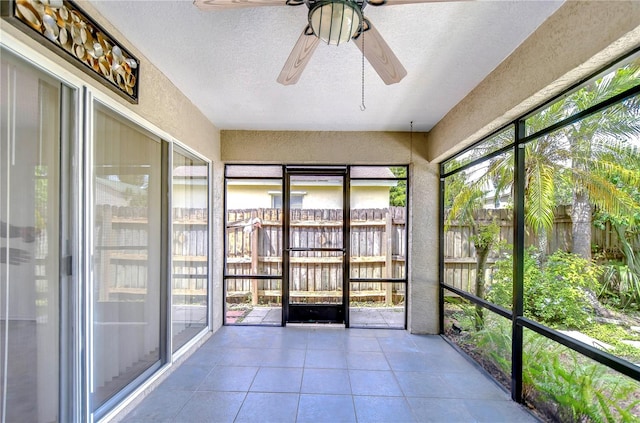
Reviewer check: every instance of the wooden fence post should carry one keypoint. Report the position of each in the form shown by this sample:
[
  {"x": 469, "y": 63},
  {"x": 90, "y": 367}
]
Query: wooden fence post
[
  {"x": 105, "y": 254},
  {"x": 254, "y": 262},
  {"x": 388, "y": 286}
]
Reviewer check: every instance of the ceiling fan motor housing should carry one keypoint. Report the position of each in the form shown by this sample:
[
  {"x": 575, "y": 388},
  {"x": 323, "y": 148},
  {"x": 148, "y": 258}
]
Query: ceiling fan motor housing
[{"x": 335, "y": 21}]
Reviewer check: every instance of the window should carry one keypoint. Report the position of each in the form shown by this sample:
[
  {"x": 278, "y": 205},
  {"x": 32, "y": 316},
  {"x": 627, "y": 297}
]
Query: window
[{"x": 296, "y": 199}]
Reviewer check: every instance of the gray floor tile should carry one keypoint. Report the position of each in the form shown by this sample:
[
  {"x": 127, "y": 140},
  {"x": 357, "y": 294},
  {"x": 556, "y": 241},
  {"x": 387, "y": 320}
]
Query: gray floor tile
[
  {"x": 326, "y": 381},
  {"x": 421, "y": 384},
  {"x": 229, "y": 378},
  {"x": 318, "y": 374},
  {"x": 382, "y": 410},
  {"x": 473, "y": 386},
  {"x": 208, "y": 407},
  {"x": 439, "y": 410},
  {"x": 432, "y": 344},
  {"x": 397, "y": 344},
  {"x": 240, "y": 356},
  {"x": 326, "y": 408},
  {"x": 204, "y": 358},
  {"x": 410, "y": 361},
  {"x": 367, "y": 361},
  {"x": 282, "y": 358},
  {"x": 451, "y": 361},
  {"x": 160, "y": 406},
  {"x": 505, "y": 411},
  {"x": 325, "y": 359},
  {"x": 277, "y": 379},
  {"x": 268, "y": 408},
  {"x": 363, "y": 333},
  {"x": 325, "y": 342},
  {"x": 185, "y": 378},
  {"x": 374, "y": 382},
  {"x": 361, "y": 343}
]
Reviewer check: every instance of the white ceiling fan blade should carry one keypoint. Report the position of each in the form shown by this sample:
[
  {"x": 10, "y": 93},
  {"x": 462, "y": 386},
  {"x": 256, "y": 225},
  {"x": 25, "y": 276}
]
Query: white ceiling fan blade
[
  {"x": 380, "y": 56},
  {"x": 392, "y": 2},
  {"x": 299, "y": 57},
  {"x": 235, "y": 4}
]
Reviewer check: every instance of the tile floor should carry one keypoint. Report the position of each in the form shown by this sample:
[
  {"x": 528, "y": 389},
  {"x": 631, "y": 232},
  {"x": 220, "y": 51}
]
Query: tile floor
[{"x": 326, "y": 374}]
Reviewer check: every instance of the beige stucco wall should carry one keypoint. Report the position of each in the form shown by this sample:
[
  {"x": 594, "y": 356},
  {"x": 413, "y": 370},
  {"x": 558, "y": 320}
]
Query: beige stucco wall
[
  {"x": 244, "y": 196},
  {"x": 299, "y": 147},
  {"x": 577, "y": 40}
]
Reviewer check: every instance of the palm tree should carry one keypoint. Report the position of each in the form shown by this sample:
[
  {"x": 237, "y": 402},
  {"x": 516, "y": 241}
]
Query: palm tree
[
  {"x": 589, "y": 151},
  {"x": 584, "y": 156}
]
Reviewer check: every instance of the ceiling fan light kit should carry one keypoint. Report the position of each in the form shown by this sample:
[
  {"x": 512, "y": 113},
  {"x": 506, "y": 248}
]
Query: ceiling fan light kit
[{"x": 335, "y": 21}]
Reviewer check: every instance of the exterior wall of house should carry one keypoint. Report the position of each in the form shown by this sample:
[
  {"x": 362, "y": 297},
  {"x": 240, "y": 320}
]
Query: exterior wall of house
[
  {"x": 577, "y": 40},
  {"x": 315, "y": 197}
]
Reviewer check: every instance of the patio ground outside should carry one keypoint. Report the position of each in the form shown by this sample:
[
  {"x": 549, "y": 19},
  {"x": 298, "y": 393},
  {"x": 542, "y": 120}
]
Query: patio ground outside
[{"x": 359, "y": 317}]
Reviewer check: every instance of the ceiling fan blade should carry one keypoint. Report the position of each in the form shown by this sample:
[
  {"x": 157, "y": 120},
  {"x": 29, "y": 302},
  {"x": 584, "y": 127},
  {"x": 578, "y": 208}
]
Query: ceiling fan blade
[
  {"x": 299, "y": 57},
  {"x": 235, "y": 4},
  {"x": 380, "y": 56},
  {"x": 392, "y": 2}
]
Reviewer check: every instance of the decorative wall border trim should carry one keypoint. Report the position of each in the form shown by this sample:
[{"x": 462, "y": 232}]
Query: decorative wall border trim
[{"x": 66, "y": 29}]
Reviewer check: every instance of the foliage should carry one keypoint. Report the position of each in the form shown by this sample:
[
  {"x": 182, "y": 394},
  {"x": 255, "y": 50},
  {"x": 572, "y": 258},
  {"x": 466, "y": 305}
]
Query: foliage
[
  {"x": 555, "y": 293},
  {"x": 580, "y": 389},
  {"x": 584, "y": 164},
  {"x": 494, "y": 340},
  {"x": 613, "y": 335},
  {"x": 621, "y": 285},
  {"x": 486, "y": 236},
  {"x": 398, "y": 193},
  {"x": 622, "y": 278},
  {"x": 565, "y": 385}
]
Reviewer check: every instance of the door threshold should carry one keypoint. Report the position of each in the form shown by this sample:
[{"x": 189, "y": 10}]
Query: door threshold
[{"x": 316, "y": 325}]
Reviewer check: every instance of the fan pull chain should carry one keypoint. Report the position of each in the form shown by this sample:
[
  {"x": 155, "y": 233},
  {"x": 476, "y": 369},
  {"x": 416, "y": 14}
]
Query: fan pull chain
[{"x": 362, "y": 106}]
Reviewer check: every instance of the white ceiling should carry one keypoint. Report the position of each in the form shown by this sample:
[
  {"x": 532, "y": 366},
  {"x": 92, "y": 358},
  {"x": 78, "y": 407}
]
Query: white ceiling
[{"x": 227, "y": 61}]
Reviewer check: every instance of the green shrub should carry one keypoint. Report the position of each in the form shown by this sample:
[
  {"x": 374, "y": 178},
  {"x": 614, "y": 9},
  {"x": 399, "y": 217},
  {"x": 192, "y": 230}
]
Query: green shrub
[
  {"x": 582, "y": 391},
  {"x": 555, "y": 293}
]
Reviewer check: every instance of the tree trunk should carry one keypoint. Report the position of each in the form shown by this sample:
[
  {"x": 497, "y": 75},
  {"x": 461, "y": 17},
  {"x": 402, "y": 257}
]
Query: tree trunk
[
  {"x": 581, "y": 224},
  {"x": 543, "y": 244},
  {"x": 481, "y": 263}
]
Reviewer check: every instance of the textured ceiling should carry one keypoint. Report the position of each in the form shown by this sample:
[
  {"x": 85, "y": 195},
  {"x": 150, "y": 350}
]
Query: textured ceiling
[{"x": 227, "y": 61}]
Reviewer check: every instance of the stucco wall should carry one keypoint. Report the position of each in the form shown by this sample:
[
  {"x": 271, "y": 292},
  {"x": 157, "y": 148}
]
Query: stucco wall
[
  {"x": 580, "y": 38},
  {"x": 296, "y": 147}
]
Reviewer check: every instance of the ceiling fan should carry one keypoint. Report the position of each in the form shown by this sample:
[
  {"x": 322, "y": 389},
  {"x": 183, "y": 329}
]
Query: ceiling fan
[{"x": 333, "y": 22}]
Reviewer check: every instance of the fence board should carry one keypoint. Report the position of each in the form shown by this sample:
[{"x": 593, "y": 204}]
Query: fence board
[{"x": 459, "y": 252}]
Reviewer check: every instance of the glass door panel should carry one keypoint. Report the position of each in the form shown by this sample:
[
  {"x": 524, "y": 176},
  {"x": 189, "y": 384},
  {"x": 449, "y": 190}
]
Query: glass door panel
[
  {"x": 30, "y": 257},
  {"x": 316, "y": 250},
  {"x": 128, "y": 255},
  {"x": 190, "y": 245}
]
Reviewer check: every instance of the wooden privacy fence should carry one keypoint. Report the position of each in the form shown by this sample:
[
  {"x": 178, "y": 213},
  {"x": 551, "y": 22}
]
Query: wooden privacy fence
[
  {"x": 129, "y": 284},
  {"x": 122, "y": 248},
  {"x": 254, "y": 247},
  {"x": 460, "y": 254}
]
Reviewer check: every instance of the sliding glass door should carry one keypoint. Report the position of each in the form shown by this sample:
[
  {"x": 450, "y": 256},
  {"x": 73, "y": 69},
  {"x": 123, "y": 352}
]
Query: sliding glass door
[
  {"x": 35, "y": 291},
  {"x": 128, "y": 255}
]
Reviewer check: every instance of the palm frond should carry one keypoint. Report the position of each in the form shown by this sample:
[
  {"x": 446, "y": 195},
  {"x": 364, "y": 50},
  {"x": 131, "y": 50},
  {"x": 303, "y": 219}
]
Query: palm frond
[{"x": 539, "y": 212}]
